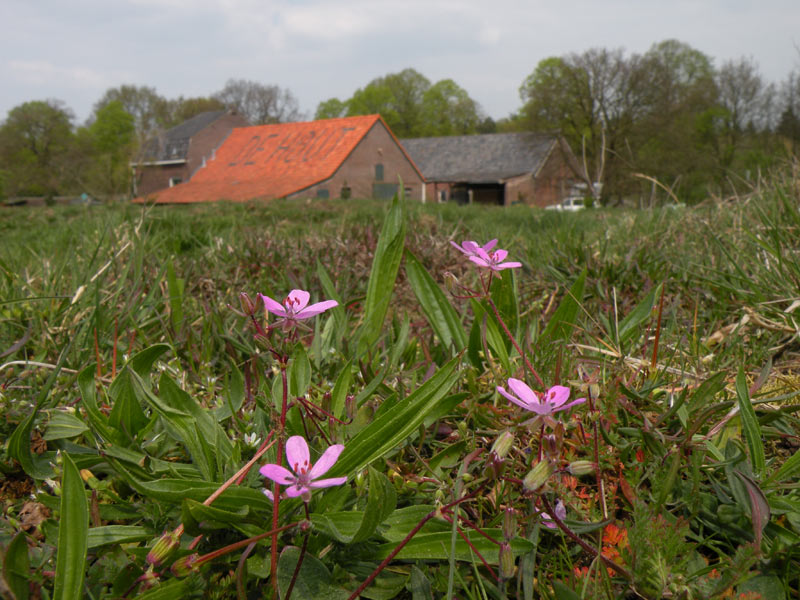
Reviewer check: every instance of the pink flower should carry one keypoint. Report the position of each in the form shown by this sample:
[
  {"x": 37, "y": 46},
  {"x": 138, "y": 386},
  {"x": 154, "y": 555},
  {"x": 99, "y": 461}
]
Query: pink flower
[
  {"x": 552, "y": 401},
  {"x": 493, "y": 260},
  {"x": 470, "y": 248},
  {"x": 295, "y": 307},
  {"x": 304, "y": 477},
  {"x": 561, "y": 513}
]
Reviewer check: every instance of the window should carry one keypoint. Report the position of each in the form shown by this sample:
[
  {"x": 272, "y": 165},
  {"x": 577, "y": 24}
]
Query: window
[
  {"x": 345, "y": 192},
  {"x": 323, "y": 193},
  {"x": 173, "y": 181},
  {"x": 442, "y": 195},
  {"x": 379, "y": 172}
]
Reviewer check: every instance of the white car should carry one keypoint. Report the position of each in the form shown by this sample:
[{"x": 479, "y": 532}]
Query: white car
[{"x": 571, "y": 204}]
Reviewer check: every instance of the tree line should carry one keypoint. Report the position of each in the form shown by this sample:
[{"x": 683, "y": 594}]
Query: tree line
[{"x": 668, "y": 119}]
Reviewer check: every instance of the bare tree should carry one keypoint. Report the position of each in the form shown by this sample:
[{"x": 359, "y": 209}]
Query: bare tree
[{"x": 258, "y": 103}]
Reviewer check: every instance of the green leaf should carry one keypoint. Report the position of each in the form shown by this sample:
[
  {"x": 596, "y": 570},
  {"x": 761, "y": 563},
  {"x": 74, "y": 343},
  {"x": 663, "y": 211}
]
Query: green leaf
[
  {"x": 419, "y": 586},
  {"x": 313, "y": 580},
  {"x": 768, "y": 586},
  {"x": 437, "y": 309},
  {"x": 199, "y": 518},
  {"x": 340, "y": 389},
  {"x": 169, "y": 590},
  {"x": 562, "y": 592},
  {"x": 356, "y": 526},
  {"x": 392, "y": 428},
  {"x": 97, "y": 420},
  {"x": 383, "y": 273},
  {"x": 127, "y": 415},
  {"x": 750, "y": 426},
  {"x": 63, "y": 425},
  {"x": 436, "y": 546},
  {"x": 400, "y": 523},
  {"x": 72, "y": 534},
  {"x": 759, "y": 507},
  {"x": 629, "y": 326},
  {"x": 299, "y": 372},
  {"x": 562, "y": 323},
  {"x": 787, "y": 470},
  {"x": 19, "y": 442},
  {"x": 504, "y": 295},
  {"x": 117, "y": 534},
  {"x": 16, "y": 567},
  {"x": 175, "y": 287}
]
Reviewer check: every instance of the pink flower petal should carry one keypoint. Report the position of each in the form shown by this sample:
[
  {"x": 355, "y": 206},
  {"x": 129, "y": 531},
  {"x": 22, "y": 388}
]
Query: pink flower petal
[
  {"x": 278, "y": 474},
  {"x": 269, "y": 494},
  {"x": 507, "y": 265},
  {"x": 571, "y": 404},
  {"x": 499, "y": 255},
  {"x": 272, "y": 306},
  {"x": 297, "y": 454},
  {"x": 316, "y": 309},
  {"x": 487, "y": 247},
  {"x": 298, "y": 490},
  {"x": 480, "y": 261},
  {"x": 557, "y": 395},
  {"x": 323, "y": 483},
  {"x": 523, "y": 392},
  {"x": 326, "y": 461},
  {"x": 513, "y": 398},
  {"x": 298, "y": 299}
]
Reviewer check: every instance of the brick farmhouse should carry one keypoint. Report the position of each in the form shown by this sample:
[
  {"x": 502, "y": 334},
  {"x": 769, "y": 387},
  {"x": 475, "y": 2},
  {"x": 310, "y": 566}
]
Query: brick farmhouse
[
  {"x": 355, "y": 157},
  {"x": 173, "y": 157},
  {"x": 499, "y": 168}
]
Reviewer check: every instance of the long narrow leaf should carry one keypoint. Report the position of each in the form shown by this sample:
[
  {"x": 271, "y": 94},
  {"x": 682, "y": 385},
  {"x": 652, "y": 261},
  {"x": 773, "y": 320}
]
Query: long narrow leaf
[
  {"x": 385, "y": 265},
  {"x": 72, "y": 534},
  {"x": 750, "y": 426}
]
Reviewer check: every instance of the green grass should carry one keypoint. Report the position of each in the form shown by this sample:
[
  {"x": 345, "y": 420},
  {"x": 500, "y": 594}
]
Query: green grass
[{"x": 684, "y": 314}]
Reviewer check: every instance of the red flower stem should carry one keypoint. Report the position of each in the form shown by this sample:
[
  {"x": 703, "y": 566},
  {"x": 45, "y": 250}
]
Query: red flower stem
[
  {"x": 241, "y": 544},
  {"x": 405, "y": 540},
  {"x": 471, "y": 525},
  {"x": 588, "y": 548},
  {"x": 470, "y": 544},
  {"x": 514, "y": 341}
]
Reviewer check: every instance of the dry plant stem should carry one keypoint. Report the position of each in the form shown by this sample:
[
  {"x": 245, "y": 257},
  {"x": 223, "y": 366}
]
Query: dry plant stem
[
  {"x": 575, "y": 538},
  {"x": 407, "y": 539},
  {"x": 654, "y": 361},
  {"x": 514, "y": 341}
]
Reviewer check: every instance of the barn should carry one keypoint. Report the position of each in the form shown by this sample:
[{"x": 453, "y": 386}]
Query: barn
[
  {"x": 356, "y": 157},
  {"x": 499, "y": 168},
  {"x": 174, "y": 156}
]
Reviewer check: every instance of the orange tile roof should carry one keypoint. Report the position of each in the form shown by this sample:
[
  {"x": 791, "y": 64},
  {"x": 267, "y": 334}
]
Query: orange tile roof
[{"x": 271, "y": 161}]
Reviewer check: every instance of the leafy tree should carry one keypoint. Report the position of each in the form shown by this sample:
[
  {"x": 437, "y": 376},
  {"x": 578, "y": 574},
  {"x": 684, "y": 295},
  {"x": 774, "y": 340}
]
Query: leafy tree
[
  {"x": 37, "y": 146},
  {"x": 258, "y": 103},
  {"x": 447, "y": 109},
  {"x": 108, "y": 143},
  {"x": 333, "y": 108},
  {"x": 182, "y": 109},
  {"x": 412, "y": 107},
  {"x": 150, "y": 111}
]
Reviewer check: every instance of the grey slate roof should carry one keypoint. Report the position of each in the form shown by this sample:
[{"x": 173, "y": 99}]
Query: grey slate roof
[
  {"x": 485, "y": 158},
  {"x": 174, "y": 143}
]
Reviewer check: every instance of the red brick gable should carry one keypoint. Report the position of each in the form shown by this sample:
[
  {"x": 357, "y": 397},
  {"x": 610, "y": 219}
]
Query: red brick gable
[{"x": 271, "y": 161}]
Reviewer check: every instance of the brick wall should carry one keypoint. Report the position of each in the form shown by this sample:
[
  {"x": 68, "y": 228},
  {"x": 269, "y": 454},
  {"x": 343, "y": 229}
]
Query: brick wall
[{"x": 358, "y": 170}]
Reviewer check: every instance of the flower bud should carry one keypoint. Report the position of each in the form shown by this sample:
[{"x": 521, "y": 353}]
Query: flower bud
[
  {"x": 248, "y": 306},
  {"x": 538, "y": 476},
  {"x": 503, "y": 444},
  {"x": 550, "y": 445},
  {"x": 507, "y": 566},
  {"x": 509, "y": 524},
  {"x": 450, "y": 281},
  {"x": 581, "y": 467},
  {"x": 163, "y": 548},
  {"x": 149, "y": 579},
  {"x": 185, "y": 565}
]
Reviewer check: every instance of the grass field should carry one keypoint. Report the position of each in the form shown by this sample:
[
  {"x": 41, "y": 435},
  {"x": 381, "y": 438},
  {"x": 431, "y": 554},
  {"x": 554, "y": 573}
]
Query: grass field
[{"x": 133, "y": 387}]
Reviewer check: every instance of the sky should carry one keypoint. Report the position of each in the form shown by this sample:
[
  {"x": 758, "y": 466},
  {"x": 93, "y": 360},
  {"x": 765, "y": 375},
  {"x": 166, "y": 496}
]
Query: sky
[{"x": 75, "y": 50}]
